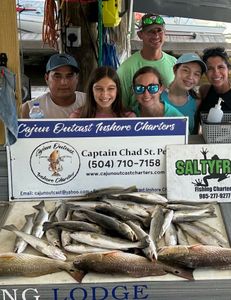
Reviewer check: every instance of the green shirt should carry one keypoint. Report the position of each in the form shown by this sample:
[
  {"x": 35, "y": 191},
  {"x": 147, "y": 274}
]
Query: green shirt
[
  {"x": 169, "y": 111},
  {"x": 128, "y": 68}
]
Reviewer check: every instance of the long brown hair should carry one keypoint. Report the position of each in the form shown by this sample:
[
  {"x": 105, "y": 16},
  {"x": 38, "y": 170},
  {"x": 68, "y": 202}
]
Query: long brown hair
[{"x": 90, "y": 107}]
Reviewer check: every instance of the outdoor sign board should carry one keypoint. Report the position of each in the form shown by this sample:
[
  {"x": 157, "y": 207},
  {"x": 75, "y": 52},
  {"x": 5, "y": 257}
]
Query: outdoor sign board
[
  {"x": 69, "y": 158},
  {"x": 199, "y": 172}
]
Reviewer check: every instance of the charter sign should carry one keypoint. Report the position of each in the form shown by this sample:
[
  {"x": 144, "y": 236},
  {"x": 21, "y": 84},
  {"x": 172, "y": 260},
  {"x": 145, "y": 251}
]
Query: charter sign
[{"x": 68, "y": 158}]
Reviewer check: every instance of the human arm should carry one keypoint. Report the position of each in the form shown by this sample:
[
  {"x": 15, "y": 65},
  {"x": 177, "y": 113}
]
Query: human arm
[{"x": 25, "y": 110}]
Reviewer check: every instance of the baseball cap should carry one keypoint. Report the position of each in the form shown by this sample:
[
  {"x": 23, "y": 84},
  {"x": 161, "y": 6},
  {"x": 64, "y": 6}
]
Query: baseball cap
[
  {"x": 191, "y": 57},
  {"x": 150, "y": 19},
  {"x": 59, "y": 60}
]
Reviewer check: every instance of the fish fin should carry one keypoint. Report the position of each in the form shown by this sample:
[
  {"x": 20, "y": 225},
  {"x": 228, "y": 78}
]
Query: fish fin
[
  {"x": 10, "y": 227},
  {"x": 7, "y": 256},
  {"x": 195, "y": 246},
  {"x": 111, "y": 253}
]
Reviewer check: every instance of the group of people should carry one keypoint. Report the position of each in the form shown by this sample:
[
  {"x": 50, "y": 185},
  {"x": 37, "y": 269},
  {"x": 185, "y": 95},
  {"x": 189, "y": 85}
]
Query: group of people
[{"x": 150, "y": 83}]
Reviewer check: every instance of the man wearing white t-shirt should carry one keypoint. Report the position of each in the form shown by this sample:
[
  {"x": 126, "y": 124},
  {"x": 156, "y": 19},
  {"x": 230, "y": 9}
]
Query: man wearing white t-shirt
[{"x": 62, "y": 72}]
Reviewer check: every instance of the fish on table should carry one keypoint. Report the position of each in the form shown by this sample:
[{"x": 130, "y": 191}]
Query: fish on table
[
  {"x": 28, "y": 265},
  {"x": 150, "y": 250},
  {"x": 129, "y": 206},
  {"x": 197, "y": 256},
  {"x": 110, "y": 223},
  {"x": 41, "y": 217},
  {"x": 20, "y": 244},
  {"x": 103, "y": 235},
  {"x": 119, "y": 262},
  {"x": 199, "y": 234},
  {"x": 121, "y": 214},
  {"x": 142, "y": 197},
  {"x": 105, "y": 241},
  {"x": 38, "y": 244}
]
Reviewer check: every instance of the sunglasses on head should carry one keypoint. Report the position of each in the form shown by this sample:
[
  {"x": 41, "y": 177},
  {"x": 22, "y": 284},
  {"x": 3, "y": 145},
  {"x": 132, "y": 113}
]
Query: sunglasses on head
[
  {"x": 140, "y": 89},
  {"x": 149, "y": 20}
]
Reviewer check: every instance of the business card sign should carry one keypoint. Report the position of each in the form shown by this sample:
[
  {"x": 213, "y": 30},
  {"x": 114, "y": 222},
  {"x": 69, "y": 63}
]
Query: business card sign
[
  {"x": 68, "y": 158},
  {"x": 199, "y": 172}
]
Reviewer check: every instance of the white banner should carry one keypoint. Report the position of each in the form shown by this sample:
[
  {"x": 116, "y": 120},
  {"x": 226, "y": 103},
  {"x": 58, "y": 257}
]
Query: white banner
[{"x": 68, "y": 158}]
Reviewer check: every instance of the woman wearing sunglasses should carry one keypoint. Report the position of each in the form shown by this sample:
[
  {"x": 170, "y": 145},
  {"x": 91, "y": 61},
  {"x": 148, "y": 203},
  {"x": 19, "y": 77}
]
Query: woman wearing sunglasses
[
  {"x": 104, "y": 96},
  {"x": 147, "y": 88},
  {"x": 181, "y": 94}
]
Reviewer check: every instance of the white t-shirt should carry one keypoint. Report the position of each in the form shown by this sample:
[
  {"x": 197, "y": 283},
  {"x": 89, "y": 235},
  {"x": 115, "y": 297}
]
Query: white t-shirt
[{"x": 54, "y": 111}]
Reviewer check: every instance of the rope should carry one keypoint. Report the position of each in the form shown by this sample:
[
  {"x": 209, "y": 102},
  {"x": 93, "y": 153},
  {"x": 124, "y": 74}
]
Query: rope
[{"x": 50, "y": 33}]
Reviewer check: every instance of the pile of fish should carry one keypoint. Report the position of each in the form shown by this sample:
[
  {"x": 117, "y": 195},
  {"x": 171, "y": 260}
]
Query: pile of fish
[{"x": 115, "y": 230}]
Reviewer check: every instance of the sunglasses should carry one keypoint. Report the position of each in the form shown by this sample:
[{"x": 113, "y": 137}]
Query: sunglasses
[
  {"x": 153, "y": 20},
  {"x": 140, "y": 89}
]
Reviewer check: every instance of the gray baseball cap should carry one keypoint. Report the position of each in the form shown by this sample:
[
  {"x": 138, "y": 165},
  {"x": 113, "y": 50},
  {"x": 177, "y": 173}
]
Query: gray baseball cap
[{"x": 59, "y": 60}]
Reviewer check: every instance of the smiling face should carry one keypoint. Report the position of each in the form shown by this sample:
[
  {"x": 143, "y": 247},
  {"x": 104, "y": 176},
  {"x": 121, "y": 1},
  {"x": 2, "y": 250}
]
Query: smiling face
[
  {"x": 105, "y": 92},
  {"x": 146, "y": 99},
  {"x": 153, "y": 36},
  {"x": 188, "y": 75},
  {"x": 218, "y": 72},
  {"x": 62, "y": 83}
]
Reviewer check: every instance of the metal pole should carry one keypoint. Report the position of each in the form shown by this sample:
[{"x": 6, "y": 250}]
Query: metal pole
[
  {"x": 100, "y": 33},
  {"x": 130, "y": 19}
]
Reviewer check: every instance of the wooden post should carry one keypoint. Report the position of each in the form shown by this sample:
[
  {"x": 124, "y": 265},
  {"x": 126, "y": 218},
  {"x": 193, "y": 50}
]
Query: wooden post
[
  {"x": 9, "y": 44},
  {"x": 86, "y": 16},
  {"x": 77, "y": 14}
]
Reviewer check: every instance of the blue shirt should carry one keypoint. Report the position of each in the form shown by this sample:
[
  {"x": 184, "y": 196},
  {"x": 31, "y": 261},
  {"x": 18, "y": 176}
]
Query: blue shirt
[{"x": 187, "y": 109}]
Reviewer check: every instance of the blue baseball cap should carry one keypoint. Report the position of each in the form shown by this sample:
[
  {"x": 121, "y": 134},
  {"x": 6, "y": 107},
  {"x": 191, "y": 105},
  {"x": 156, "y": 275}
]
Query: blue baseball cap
[
  {"x": 191, "y": 57},
  {"x": 59, "y": 60}
]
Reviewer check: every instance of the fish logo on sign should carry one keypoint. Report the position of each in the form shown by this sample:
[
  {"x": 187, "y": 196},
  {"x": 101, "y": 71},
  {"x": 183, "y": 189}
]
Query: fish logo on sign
[
  {"x": 55, "y": 166},
  {"x": 55, "y": 162}
]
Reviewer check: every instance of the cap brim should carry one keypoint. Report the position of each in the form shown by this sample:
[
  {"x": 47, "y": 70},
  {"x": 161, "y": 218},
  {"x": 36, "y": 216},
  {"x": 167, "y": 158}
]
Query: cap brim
[
  {"x": 62, "y": 65},
  {"x": 150, "y": 26},
  {"x": 201, "y": 63}
]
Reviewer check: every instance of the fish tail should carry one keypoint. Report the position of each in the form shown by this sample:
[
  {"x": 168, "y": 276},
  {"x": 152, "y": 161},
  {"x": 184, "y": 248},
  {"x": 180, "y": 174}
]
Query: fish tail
[
  {"x": 10, "y": 227},
  {"x": 40, "y": 205},
  {"x": 78, "y": 275},
  {"x": 182, "y": 272},
  {"x": 27, "y": 217}
]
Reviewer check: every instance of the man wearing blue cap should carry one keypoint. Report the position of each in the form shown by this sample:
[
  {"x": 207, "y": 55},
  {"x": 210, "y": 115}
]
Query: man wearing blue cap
[
  {"x": 152, "y": 32},
  {"x": 62, "y": 72}
]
